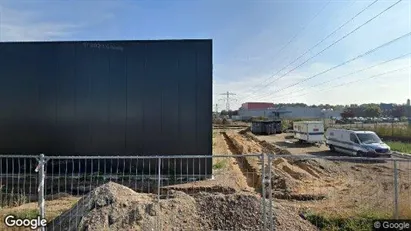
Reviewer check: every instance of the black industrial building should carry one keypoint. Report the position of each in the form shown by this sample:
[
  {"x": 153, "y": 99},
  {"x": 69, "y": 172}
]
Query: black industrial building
[{"x": 108, "y": 98}]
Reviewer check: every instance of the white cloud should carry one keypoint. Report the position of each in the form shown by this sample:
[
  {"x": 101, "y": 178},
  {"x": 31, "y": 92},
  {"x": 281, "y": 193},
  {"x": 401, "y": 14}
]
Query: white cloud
[
  {"x": 45, "y": 20},
  {"x": 20, "y": 25}
]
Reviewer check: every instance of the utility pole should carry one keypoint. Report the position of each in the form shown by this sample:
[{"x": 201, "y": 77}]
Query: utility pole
[
  {"x": 227, "y": 99},
  {"x": 216, "y": 108}
]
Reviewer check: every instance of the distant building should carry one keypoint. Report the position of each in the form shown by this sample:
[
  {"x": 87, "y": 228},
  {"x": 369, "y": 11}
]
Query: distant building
[
  {"x": 268, "y": 110},
  {"x": 386, "y": 106},
  {"x": 310, "y": 113},
  {"x": 259, "y": 109},
  {"x": 257, "y": 106}
]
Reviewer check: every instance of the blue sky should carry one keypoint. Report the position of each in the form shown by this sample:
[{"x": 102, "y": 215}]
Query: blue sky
[{"x": 247, "y": 37}]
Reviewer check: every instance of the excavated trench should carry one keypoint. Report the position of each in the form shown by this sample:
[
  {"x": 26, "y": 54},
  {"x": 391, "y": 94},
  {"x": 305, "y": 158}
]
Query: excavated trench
[
  {"x": 249, "y": 172},
  {"x": 282, "y": 181}
]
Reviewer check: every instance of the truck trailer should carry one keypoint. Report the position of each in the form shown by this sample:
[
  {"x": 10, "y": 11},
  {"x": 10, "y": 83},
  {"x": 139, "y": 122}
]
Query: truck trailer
[{"x": 309, "y": 131}]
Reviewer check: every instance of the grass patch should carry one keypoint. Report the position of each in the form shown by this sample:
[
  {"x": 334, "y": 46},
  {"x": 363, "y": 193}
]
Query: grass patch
[
  {"x": 333, "y": 223},
  {"x": 220, "y": 164},
  {"x": 398, "y": 131},
  {"x": 399, "y": 146},
  {"x": 12, "y": 199},
  {"x": 29, "y": 214}
]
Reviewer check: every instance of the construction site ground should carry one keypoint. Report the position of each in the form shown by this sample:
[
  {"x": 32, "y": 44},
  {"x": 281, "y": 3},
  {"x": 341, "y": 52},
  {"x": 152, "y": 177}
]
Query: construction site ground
[{"x": 340, "y": 189}]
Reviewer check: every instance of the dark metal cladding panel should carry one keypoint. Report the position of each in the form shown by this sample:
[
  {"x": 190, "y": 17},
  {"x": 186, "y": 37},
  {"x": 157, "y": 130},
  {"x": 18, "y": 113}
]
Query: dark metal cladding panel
[{"x": 108, "y": 98}]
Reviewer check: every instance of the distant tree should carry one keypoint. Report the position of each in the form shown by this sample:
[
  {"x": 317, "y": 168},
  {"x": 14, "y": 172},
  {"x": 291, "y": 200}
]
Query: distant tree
[
  {"x": 231, "y": 113},
  {"x": 347, "y": 113},
  {"x": 224, "y": 112},
  {"x": 408, "y": 111},
  {"x": 338, "y": 107},
  {"x": 372, "y": 111},
  {"x": 357, "y": 110},
  {"x": 398, "y": 111}
]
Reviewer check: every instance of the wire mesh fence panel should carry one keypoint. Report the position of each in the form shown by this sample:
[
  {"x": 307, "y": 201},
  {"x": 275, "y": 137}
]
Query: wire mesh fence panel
[
  {"x": 402, "y": 202},
  {"x": 337, "y": 193},
  {"x": 244, "y": 192},
  {"x": 18, "y": 186},
  {"x": 230, "y": 200},
  {"x": 155, "y": 193},
  {"x": 103, "y": 190}
]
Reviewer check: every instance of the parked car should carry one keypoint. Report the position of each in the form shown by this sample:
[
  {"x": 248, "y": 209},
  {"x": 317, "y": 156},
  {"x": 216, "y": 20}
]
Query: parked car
[{"x": 356, "y": 143}]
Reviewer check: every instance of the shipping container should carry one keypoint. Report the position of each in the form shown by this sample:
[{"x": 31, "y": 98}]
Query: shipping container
[
  {"x": 263, "y": 127},
  {"x": 108, "y": 98}
]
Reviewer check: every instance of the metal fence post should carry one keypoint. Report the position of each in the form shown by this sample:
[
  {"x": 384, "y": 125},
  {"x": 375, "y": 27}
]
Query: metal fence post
[
  {"x": 395, "y": 190},
  {"x": 41, "y": 203},
  {"x": 392, "y": 128},
  {"x": 264, "y": 212},
  {"x": 159, "y": 193},
  {"x": 270, "y": 194}
]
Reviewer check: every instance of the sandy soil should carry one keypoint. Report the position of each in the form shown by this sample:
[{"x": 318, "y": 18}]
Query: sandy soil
[
  {"x": 228, "y": 176},
  {"x": 286, "y": 141},
  {"x": 338, "y": 187},
  {"x": 54, "y": 208}
]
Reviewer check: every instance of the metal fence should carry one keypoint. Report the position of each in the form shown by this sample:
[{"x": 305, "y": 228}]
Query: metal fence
[{"x": 245, "y": 192}]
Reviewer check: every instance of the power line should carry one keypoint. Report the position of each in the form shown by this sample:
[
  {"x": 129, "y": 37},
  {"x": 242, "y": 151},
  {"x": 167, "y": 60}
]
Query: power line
[
  {"x": 322, "y": 40},
  {"x": 352, "y": 73},
  {"x": 299, "y": 32},
  {"x": 334, "y": 43},
  {"x": 355, "y": 81},
  {"x": 295, "y": 36},
  {"x": 344, "y": 63},
  {"x": 228, "y": 99}
]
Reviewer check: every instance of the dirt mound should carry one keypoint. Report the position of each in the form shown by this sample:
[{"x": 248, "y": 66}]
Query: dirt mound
[
  {"x": 243, "y": 212},
  {"x": 230, "y": 212},
  {"x": 115, "y": 207},
  {"x": 266, "y": 146},
  {"x": 242, "y": 132},
  {"x": 301, "y": 179}
]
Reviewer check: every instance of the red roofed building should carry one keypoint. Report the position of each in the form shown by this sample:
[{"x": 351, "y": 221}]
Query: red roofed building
[{"x": 256, "y": 106}]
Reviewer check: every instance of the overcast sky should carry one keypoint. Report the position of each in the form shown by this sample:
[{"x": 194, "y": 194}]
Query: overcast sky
[{"x": 257, "y": 45}]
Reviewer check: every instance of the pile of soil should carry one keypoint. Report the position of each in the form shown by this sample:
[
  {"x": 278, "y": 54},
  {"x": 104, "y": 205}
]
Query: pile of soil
[
  {"x": 116, "y": 207},
  {"x": 267, "y": 147},
  {"x": 302, "y": 179}
]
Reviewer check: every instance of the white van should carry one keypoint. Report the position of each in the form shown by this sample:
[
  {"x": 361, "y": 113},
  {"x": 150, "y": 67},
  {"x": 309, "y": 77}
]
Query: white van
[
  {"x": 309, "y": 131},
  {"x": 357, "y": 143}
]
